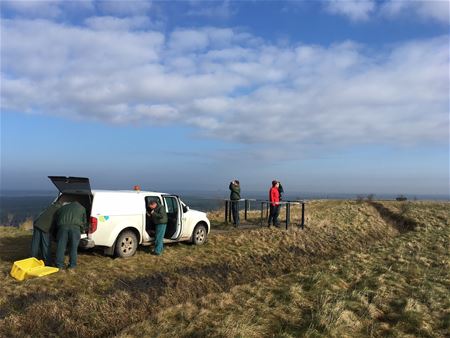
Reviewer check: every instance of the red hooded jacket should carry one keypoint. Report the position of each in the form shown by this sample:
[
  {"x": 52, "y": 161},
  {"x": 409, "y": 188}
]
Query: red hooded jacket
[{"x": 274, "y": 196}]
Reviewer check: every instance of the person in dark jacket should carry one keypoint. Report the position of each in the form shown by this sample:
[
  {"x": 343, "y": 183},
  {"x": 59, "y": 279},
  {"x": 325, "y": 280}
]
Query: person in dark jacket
[
  {"x": 280, "y": 190},
  {"x": 71, "y": 221},
  {"x": 42, "y": 227},
  {"x": 158, "y": 215},
  {"x": 274, "y": 198},
  {"x": 235, "y": 196}
]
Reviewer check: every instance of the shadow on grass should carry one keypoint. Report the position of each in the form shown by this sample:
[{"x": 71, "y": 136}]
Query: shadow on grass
[
  {"x": 181, "y": 283},
  {"x": 15, "y": 248},
  {"x": 400, "y": 222}
]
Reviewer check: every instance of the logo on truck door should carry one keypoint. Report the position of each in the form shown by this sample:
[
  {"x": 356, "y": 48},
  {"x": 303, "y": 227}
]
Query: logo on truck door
[{"x": 103, "y": 218}]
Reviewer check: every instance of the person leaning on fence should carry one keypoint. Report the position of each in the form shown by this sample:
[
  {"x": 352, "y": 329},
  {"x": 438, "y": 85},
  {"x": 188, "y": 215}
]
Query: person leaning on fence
[
  {"x": 274, "y": 198},
  {"x": 42, "y": 227},
  {"x": 235, "y": 196},
  {"x": 71, "y": 221},
  {"x": 157, "y": 213}
]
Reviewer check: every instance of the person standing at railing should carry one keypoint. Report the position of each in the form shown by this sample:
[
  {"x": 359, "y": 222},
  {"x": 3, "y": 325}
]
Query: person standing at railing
[
  {"x": 280, "y": 190},
  {"x": 235, "y": 196},
  {"x": 274, "y": 198}
]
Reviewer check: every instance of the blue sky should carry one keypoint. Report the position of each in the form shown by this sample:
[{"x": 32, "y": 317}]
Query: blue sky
[{"x": 326, "y": 96}]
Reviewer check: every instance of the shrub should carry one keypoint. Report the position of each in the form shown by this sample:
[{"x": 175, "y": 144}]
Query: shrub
[
  {"x": 370, "y": 197},
  {"x": 27, "y": 224}
]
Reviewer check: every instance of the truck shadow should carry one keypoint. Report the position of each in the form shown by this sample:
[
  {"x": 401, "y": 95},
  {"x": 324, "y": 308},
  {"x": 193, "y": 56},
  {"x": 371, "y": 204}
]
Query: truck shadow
[{"x": 398, "y": 220}]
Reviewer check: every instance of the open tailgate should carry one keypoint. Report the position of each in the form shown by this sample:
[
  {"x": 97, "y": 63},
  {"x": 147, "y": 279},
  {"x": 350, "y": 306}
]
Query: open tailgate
[{"x": 72, "y": 185}]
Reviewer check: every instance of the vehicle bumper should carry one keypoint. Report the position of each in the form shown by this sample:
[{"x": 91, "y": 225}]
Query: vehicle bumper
[{"x": 86, "y": 243}]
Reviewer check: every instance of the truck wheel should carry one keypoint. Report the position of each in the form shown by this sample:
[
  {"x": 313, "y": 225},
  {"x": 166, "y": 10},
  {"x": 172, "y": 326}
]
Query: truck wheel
[
  {"x": 126, "y": 244},
  {"x": 199, "y": 235}
]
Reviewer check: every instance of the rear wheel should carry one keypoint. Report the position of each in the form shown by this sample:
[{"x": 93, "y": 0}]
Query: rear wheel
[
  {"x": 126, "y": 244},
  {"x": 199, "y": 235}
]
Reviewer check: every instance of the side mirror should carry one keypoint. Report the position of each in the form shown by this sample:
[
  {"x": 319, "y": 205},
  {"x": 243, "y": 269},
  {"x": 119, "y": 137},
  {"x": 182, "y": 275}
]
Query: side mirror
[{"x": 185, "y": 208}]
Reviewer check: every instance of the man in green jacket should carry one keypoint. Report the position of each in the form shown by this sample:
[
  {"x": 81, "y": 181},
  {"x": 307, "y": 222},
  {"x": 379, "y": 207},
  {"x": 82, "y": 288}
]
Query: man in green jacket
[
  {"x": 71, "y": 222},
  {"x": 42, "y": 227},
  {"x": 235, "y": 196},
  {"x": 159, "y": 218}
]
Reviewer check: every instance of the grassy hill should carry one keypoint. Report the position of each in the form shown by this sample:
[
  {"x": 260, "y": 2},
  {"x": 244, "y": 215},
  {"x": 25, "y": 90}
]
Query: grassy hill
[{"x": 358, "y": 269}]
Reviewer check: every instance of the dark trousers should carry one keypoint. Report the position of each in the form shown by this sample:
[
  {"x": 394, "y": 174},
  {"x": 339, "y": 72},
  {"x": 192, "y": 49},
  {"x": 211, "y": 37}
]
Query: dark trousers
[
  {"x": 67, "y": 235},
  {"x": 235, "y": 212},
  {"x": 273, "y": 215},
  {"x": 160, "y": 230},
  {"x": 40, "y": 245}
]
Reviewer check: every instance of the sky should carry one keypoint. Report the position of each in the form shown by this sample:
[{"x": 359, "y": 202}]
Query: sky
[{"x": 325, "y": 96}]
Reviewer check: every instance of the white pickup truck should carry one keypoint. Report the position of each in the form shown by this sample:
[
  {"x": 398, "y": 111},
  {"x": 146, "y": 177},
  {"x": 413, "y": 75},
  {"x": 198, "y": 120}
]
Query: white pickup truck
[{"x": 118, "y": 218}]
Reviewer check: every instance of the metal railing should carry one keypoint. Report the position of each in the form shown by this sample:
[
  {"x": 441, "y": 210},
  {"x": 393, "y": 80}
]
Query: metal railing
[
  {"x": 265, "y": 207},
  {"x": 247, "y": 207}
]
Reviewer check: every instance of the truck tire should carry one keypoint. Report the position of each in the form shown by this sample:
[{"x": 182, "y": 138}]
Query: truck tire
[
  {"x": 199, "y": 235},
  {"x": 126, "y": 244}
]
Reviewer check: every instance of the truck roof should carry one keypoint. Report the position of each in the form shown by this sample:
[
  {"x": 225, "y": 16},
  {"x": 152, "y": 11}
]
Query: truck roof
[
  {"x": 135, "y": 192},
  {"x": 82, "y": 186}
]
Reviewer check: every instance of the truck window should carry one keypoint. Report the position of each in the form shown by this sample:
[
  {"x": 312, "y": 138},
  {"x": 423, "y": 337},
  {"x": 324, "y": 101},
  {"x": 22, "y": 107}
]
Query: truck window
[
  {"x": 172, "y": 216},
  {"x": 149, "y": 199},
  {"x": 172, "y": 205}
]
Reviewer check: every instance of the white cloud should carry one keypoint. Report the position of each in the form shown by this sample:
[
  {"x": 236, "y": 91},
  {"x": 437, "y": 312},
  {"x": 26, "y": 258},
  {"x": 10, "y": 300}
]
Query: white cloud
[
  {"x": 35, "y": 9},
  {"x": 114, "y": 23},
  {"x": 357, "y": 10},
  {"x": 437, "y": 10},
  {"x": 228, "y": 84},
  {"x": 188, "y": 39},
  {"x": 363, "y": 10}
]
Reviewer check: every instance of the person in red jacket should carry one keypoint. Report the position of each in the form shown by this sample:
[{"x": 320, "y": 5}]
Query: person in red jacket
[{"x": 274, "y": 198}]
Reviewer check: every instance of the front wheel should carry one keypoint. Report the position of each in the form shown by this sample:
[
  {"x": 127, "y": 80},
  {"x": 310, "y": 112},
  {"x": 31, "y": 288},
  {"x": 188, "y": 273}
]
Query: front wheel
[
  {"x": 199, "y": 235},
  {"x": 126, "y": 244}
]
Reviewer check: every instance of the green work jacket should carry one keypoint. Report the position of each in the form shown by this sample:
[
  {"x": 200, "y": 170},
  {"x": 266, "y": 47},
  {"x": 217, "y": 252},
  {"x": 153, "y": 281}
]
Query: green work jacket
[
  {"x": 235, "y": 193},
  {"x": 72, "y": 214},
  {"x": 159, "y": 215},
  {"x": 45, "y": 220}
]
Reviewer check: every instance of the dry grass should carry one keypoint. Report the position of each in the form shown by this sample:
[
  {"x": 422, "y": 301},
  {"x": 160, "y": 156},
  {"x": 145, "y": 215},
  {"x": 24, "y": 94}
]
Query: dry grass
[{"x": 349, "y": 273}]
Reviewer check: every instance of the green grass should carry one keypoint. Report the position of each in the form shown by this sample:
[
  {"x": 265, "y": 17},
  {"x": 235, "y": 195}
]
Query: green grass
[{"x": 358, "y": 269}]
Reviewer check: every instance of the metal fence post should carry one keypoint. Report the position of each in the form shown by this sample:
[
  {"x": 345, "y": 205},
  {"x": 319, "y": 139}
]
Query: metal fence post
[
  {"x": 303, "y": 215},
  {"x": 246, "y": 209},
  {"x": 262, "y": 211},
  {"x": 226, "y": 211},
  {"x": 288, "y": 214}
]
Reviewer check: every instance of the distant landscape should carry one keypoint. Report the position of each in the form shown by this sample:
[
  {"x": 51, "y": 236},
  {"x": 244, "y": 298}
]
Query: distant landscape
[{"x": 16, "y": 206}]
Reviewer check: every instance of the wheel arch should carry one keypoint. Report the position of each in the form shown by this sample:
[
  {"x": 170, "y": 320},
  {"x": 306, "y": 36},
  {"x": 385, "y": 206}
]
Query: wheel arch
[
  {"x": 119, "y": 230},
  {"x": 203, "y": 223},
  {"x": 133, "y": 229}
]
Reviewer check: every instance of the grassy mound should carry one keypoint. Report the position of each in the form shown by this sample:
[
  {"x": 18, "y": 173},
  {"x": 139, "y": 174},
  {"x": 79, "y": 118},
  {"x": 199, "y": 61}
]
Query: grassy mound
[{"x": 248, "y": 282}]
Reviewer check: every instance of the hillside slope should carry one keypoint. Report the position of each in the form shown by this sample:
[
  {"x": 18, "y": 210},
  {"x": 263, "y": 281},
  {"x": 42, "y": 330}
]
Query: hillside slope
[{"x": 349, "y": 271}]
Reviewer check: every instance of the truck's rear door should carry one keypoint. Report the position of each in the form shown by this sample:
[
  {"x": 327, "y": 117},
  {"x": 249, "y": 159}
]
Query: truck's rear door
[
  {"x": 75, "y": 186},
  {"x": 72, "y": 185}
]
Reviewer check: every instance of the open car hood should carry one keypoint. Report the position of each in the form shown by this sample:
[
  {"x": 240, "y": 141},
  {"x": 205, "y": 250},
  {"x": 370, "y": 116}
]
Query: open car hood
[{"x": 72, "y": 185}]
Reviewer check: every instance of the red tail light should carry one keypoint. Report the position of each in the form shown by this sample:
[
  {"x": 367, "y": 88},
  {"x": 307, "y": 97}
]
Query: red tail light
[{"x": 93, "y": 225}]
